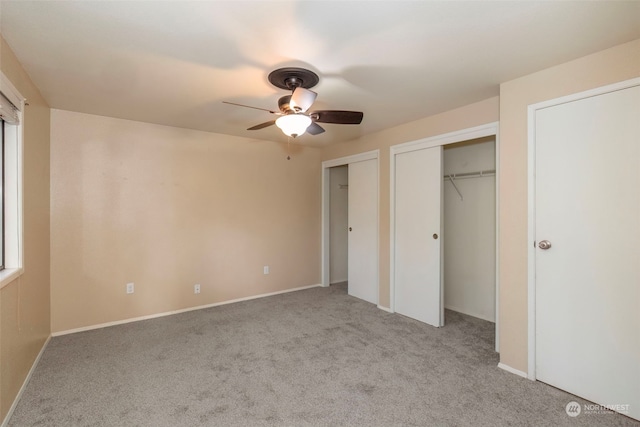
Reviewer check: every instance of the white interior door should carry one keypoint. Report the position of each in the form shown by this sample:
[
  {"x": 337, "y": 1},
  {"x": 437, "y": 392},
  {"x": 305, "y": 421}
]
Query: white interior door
[
  {"x": 363, "y": 230},
  {"x": 418, "y": 235},
  {"x": 587, "y": 284}
]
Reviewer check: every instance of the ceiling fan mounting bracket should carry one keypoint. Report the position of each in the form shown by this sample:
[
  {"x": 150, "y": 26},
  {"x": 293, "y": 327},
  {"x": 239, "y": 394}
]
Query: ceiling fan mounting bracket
[{"x": 293, "y": 77}]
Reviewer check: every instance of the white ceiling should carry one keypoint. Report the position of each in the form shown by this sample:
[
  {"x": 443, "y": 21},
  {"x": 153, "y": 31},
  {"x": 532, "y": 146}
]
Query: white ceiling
[{"x": 174, "y": 62}]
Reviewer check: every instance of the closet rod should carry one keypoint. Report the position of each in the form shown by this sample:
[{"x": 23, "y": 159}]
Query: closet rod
[{"x": 470, "y": 174}]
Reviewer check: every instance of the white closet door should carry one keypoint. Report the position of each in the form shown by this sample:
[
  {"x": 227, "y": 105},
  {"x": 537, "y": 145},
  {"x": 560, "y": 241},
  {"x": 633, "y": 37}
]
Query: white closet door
[
  {"x": 587, "y": 204},
  {"x": 418, "y": 235},
  {"x": 363, "y": 230}
]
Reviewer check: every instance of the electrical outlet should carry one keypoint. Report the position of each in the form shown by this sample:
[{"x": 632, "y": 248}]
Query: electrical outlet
[
  {"x": 196, "y": 288},
  {"x": 266, "y": 269},
  {"x": 129, "y": 288}
]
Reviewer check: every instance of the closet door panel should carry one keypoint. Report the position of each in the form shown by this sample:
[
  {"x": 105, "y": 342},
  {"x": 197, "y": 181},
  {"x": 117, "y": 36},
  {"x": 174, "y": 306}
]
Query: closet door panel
[
  {"x": 418, "y": 235},
  {"x": 363, "y": 230}
]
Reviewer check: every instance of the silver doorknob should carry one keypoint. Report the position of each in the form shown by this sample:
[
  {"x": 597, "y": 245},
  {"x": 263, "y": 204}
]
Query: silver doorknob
[{"x": 544, "y": 244}]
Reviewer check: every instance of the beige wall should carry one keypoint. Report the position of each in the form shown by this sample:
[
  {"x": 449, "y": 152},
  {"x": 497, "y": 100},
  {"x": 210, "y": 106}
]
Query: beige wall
[
  {"x": 469, "y": 116},
  {"x": 606, "y": 67},
  {"x": 24, "y": 303},
  {"x": 167, "y": 208}
]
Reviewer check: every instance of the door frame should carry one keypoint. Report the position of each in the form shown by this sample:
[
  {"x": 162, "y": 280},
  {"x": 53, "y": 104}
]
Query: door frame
[
  {"x": 326, "y": 195},
  {"x": 531, "y": 215},
  {"x": 489, "y": 129}
]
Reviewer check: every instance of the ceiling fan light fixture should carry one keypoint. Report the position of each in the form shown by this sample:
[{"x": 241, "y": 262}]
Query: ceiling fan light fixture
[{"x": 293, "y": 124}]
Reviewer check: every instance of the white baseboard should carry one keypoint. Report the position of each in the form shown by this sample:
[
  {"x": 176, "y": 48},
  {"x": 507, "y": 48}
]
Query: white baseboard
[
  {"x": 184, "y": 310},
  {"x": 513, "y": 370},
  {"x": 5, "y": 422},
  {"x": 335, "y": 282},
  {"x": 388, "y": 310}
]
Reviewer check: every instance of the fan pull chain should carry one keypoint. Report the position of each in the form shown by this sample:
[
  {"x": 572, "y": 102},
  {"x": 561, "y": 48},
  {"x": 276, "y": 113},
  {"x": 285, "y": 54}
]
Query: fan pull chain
[{"x": 288, "y": 148}]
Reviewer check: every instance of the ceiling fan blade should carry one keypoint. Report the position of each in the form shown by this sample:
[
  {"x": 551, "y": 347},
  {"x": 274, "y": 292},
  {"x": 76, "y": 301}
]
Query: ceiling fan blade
[
  {"x": 302, "y": 99},
  {"x": 262, "y": 125},
  {"x": 249, "y": 106},
  {"x": 315, "y": 129},
  {"x": 338, "y": 117}
]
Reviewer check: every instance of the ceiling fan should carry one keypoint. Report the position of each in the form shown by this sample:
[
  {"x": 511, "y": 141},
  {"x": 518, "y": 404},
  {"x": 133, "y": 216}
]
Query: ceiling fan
[{"x": 295, "y": 119}]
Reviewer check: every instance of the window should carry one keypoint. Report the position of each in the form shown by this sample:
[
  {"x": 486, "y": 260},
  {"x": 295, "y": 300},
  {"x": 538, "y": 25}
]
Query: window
[{"x": 11, "y": 108}]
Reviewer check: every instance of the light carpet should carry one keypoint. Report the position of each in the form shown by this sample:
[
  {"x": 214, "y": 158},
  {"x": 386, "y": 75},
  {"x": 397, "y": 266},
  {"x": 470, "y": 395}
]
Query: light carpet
[{"x": 316, "y": 357}]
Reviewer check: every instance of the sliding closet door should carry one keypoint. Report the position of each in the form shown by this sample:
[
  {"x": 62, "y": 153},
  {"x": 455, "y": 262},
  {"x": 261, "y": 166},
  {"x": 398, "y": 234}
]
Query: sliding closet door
[
  {"x": 418, "y": 240},
  {"x": 363, "y": 230},
  {"x": 587, "y": 229}
]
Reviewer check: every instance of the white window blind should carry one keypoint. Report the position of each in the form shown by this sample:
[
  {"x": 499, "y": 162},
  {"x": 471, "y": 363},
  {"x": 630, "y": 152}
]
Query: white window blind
[{"x": 8, "y": 111}]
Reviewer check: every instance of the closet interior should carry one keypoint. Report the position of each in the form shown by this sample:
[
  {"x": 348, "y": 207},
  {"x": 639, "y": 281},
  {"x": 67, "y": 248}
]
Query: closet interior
[{"x": 469, "y": 227}]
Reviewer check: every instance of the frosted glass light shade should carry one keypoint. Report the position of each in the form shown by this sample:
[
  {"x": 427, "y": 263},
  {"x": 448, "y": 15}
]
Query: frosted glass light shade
[{"x": 293, "y": 124}]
